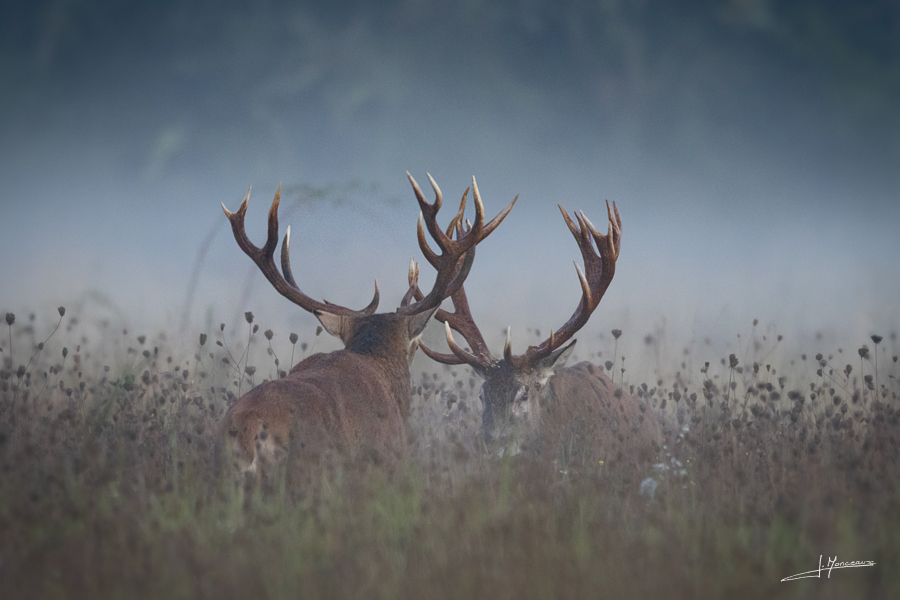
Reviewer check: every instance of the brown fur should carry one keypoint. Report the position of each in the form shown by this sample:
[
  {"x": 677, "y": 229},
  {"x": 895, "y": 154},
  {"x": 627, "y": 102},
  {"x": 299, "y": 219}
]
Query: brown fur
[
  {"x": 352, "y": 402},
  {"x": 580, "y": 411}
]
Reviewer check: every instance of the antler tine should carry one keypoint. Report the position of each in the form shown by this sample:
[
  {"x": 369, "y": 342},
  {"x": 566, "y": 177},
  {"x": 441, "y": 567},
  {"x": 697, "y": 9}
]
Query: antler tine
[
  {"x": 462, "y": 322},
  {"x": 599, "y": 269},
  {"x": 460, "y": 216},
  {"x": 441, "y": 357},
  {"x": 265, "y": 259},
  {"x": 428, "y": 214},
  {"x": 492, "y": 224},
  {"x": 413, "y": 277},
  {"x": 462, "y": 355},
  {"x": 507, "y": 347}
]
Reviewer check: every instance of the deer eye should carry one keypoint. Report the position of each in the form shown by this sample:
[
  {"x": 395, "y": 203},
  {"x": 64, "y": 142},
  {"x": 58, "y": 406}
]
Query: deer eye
[{"x": 521, "y": 394}]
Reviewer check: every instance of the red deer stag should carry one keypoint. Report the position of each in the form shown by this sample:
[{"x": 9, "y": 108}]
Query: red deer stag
[
  {"x": 530, "y": 401},
  {"x": 352, "y": 402}
]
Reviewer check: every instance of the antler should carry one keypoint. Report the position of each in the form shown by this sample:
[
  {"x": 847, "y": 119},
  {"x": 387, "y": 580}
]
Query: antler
[
  {"x": 461, "y": 318},
  {"x": 461, "y": 321},
  {"x": 265, "y": 259},
  {"x": 455, "y": 261},
  {"x": 595, "y": 279}
]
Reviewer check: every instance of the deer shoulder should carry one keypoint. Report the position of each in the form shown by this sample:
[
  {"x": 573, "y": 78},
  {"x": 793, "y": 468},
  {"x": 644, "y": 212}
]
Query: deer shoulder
[{"x": 615, "y": 424}]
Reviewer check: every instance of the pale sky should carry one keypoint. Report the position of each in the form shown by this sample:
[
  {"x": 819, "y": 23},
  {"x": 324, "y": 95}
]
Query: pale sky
[{"x": 753, "y": 149}]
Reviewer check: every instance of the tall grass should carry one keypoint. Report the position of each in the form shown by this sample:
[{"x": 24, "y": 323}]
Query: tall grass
[{"x": 109, "y": 486}]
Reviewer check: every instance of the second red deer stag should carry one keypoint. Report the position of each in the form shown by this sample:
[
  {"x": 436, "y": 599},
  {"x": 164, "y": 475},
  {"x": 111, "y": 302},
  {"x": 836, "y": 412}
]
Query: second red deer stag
[
  {"x": 354, "y": 401},
  {"x": 530, "y": 401}
]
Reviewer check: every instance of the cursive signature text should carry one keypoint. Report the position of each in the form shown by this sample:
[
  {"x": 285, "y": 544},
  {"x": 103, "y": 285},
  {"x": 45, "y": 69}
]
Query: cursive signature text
[{"x": 832, "y": 564}]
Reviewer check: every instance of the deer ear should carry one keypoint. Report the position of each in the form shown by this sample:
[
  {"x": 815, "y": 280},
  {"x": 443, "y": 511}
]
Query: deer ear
[
  {"x": 411, "y": 351},
  {"x": 556, "y": 360},
  {"x": 340, "y": 326},
  {"x": 417, "y": 322}
]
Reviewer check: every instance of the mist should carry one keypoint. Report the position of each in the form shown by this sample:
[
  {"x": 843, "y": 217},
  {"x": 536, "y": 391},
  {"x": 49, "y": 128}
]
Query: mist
[{"x": 752, "y": 147}]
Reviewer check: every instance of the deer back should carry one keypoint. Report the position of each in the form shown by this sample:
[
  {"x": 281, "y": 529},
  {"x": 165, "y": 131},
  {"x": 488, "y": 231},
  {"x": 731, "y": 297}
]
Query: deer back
[
  {"x": 349, "y": 402},
  {"x": 582, "y": 409}
]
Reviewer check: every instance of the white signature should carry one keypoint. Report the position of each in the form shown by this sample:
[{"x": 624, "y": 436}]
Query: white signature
[{"x": 832, "y": 564}]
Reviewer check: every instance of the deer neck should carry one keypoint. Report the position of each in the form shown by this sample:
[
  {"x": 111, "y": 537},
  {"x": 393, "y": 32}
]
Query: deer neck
[{"x": 384, "y": 340}]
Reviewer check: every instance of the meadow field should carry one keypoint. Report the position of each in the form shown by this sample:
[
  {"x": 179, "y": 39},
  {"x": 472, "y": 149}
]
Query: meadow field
[{"x": 110, "y": 487}]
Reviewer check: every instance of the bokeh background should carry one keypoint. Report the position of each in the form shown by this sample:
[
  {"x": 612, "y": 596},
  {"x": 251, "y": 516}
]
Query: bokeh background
[{"x": 752, "y": 146}]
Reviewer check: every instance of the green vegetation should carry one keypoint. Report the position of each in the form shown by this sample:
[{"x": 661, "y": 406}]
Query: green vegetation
[{"x": 109, "y": 486}]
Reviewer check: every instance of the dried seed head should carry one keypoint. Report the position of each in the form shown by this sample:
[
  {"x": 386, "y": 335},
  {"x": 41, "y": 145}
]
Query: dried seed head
[
  {"x": 293, "y": 337},
  {"x": 202, "y": 339},
  {"x": 863, "y": 352},
  {"x": 616, "y": 333},
  {"x": 255, "y": 328},
  {"x": 65, "y": 352},
  {"x": 250, "y": 370},
  {"x": 269, "y": 334},
  {"x": 877, "y": 339},
  {"x": 10, "y": 318},
  {"x": 62, "y": 312},
  {"x": 248, "y": 316},
  {"x": 732, "y": 360}
]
